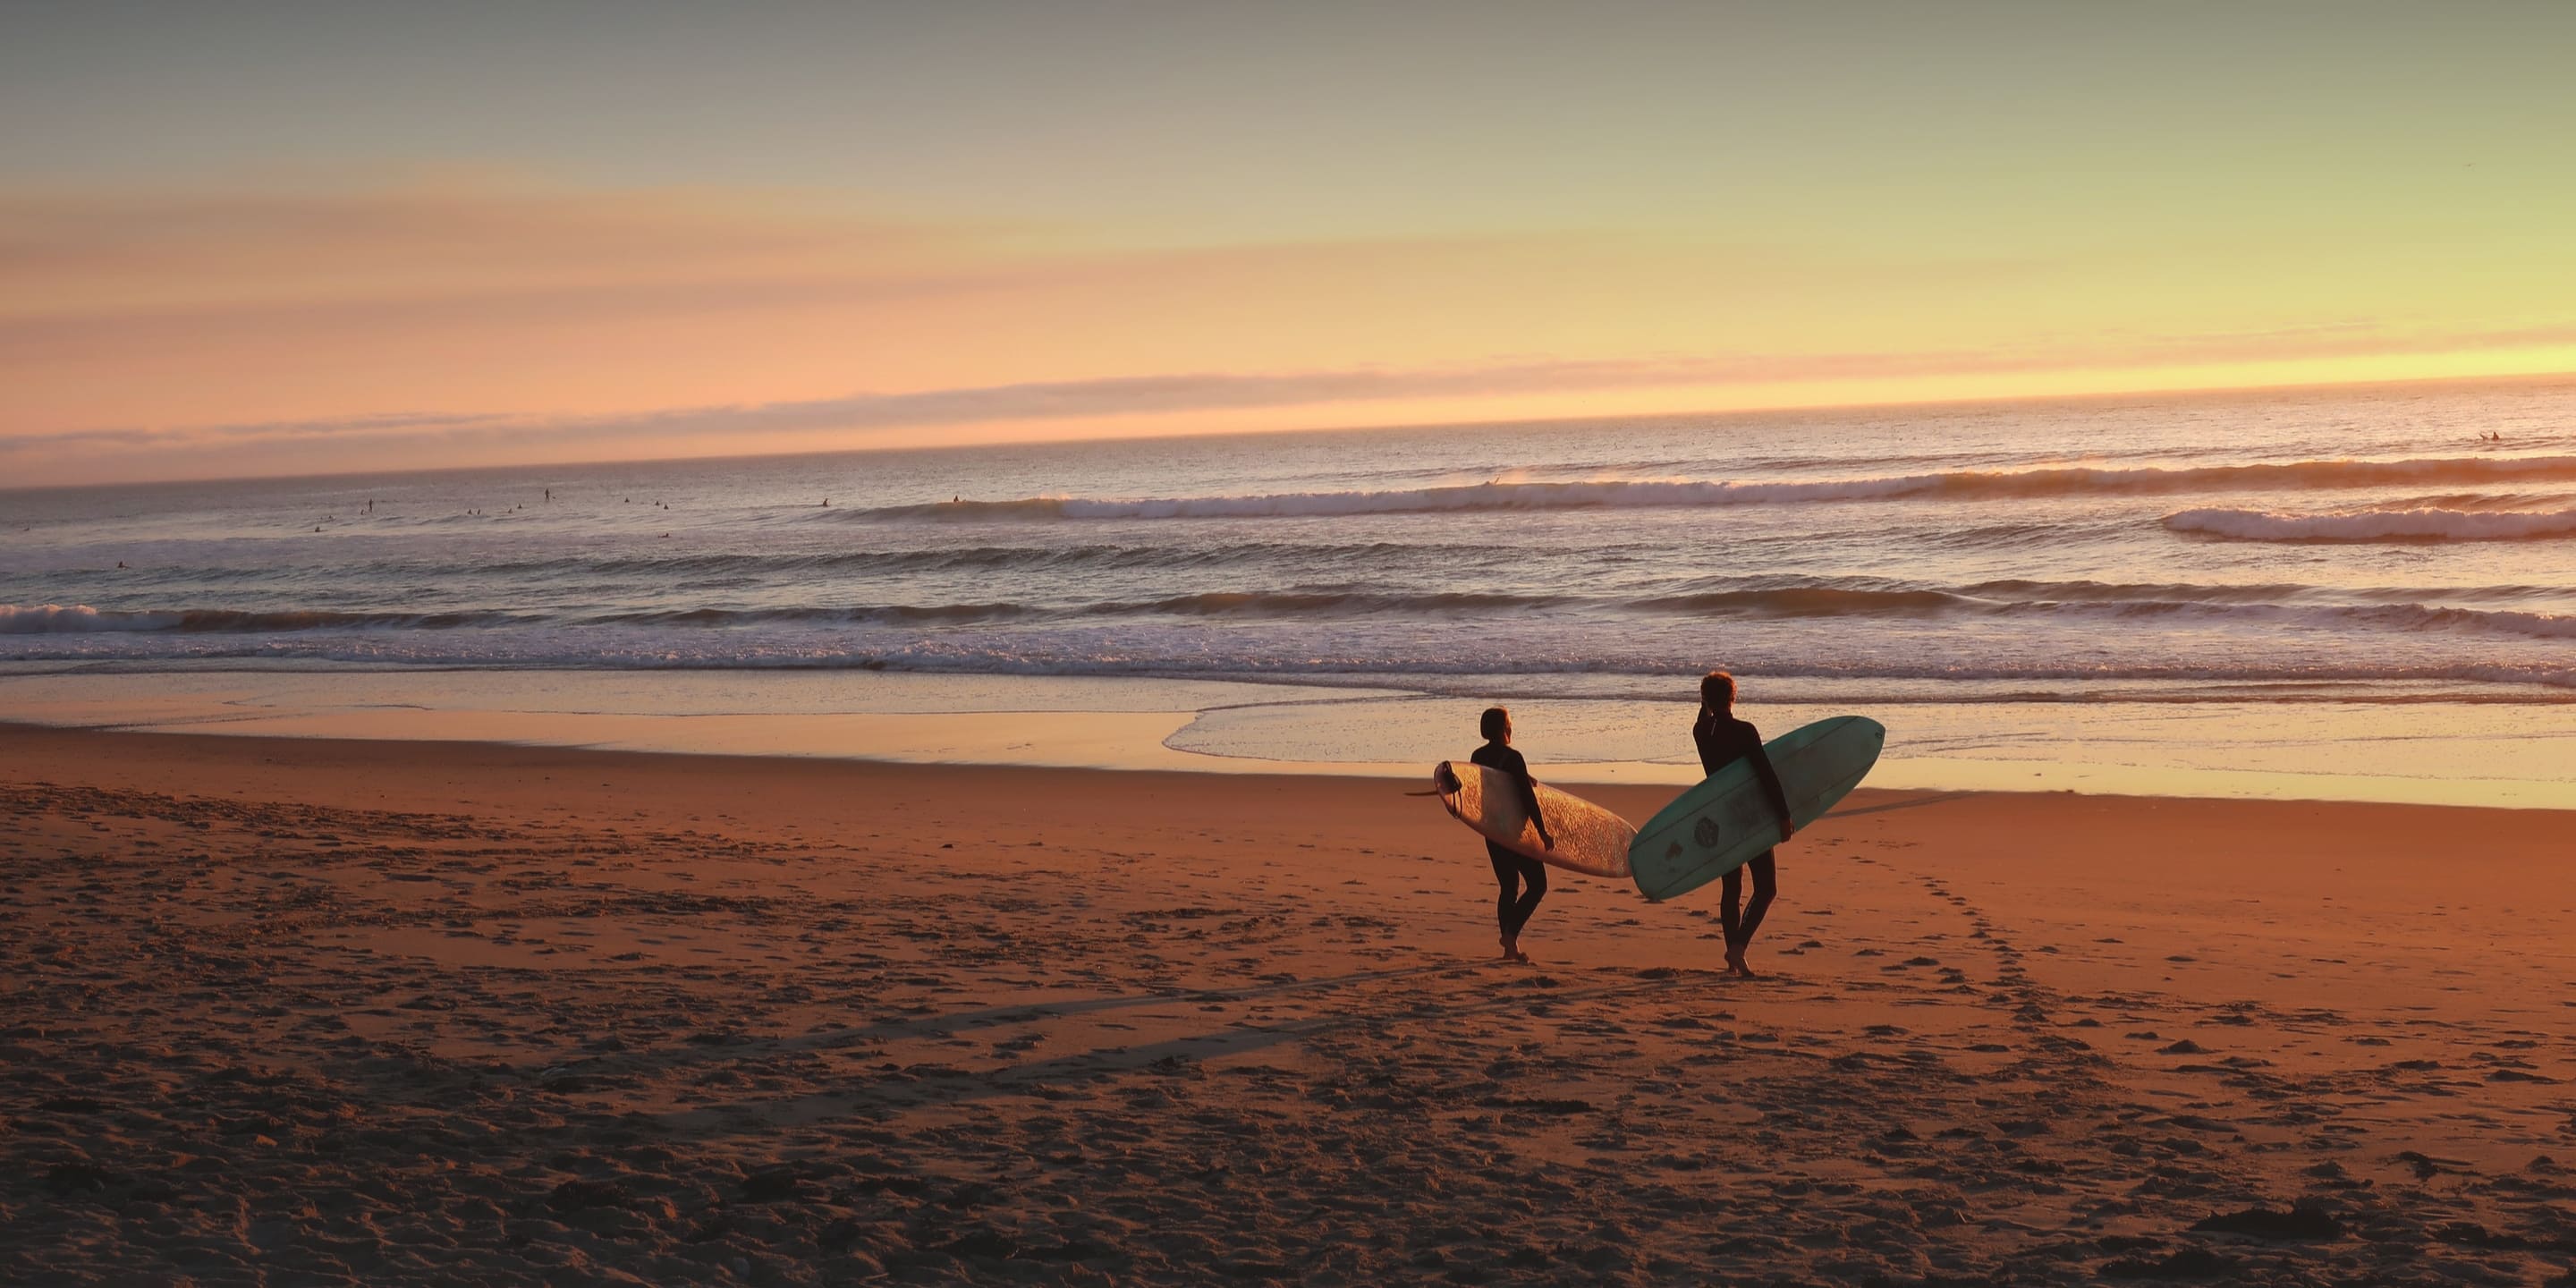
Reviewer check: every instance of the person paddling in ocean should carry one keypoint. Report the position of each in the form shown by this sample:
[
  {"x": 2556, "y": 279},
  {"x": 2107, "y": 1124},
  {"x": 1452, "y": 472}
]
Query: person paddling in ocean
[
  {"x": 1723, "y": 740},
  {"x": 1512, "y": 909}
]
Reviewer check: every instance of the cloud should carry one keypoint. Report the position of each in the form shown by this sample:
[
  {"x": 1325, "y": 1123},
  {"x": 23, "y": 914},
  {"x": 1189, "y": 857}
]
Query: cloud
[
  {"x": 177, "y": 334},
  {"x": 151, "y": 267},
  {"x": 289, "y": 306},
  {"x": 857, "y": 419},
  {"x": 116, "y": 250},
  {"x": 116, "y": 274}
]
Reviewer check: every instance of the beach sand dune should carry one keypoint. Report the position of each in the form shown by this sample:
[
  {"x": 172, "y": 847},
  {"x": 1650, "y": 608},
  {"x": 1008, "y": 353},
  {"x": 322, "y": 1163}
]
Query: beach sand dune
[{"x": 284, "y": 1012}]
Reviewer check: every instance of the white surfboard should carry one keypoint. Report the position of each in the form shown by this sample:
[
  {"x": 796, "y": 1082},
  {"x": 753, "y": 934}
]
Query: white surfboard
[{"x": 1589, "y": 839}]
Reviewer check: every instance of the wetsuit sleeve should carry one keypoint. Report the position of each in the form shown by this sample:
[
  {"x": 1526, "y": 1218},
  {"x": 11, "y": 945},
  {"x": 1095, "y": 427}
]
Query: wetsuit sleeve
[
  {"x": 1770, "y": 776},
  {"x": 1529, "y": 790}
]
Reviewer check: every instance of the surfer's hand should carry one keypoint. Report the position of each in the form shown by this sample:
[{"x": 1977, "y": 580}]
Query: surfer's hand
[
  {"x": 1546, "y": 842},
  {"x": 1787, "y": 830}
]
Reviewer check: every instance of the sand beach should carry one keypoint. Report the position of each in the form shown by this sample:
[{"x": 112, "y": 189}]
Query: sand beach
[
  {"x": 305, "y": 1011},
  {"x": 669, "y": 645}
]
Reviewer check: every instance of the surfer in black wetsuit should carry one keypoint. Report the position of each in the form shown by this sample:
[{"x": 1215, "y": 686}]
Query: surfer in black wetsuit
[
  {"x": 1512, "y": 908},
  {"x": 1723, "y": 740}
]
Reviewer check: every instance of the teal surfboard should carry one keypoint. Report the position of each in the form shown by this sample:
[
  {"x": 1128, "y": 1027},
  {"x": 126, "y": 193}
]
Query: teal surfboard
[{"x": 1726, "y": 822}]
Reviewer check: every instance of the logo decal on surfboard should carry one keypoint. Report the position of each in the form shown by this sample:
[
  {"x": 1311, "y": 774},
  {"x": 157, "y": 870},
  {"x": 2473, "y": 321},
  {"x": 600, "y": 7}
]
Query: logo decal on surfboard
[{"x": 1725, "y": 822}]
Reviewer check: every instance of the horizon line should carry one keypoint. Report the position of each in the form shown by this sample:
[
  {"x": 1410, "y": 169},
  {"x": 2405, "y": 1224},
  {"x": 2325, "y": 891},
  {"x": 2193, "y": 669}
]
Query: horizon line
[{"x": 2008, "y": 400}]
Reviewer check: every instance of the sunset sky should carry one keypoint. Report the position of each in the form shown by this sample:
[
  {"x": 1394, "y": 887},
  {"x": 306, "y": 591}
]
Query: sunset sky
[{"x": 274, "y": 238}]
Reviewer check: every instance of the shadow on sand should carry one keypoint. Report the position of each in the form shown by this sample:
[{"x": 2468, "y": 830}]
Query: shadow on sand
[
  {"x": 1918, "y": 802},
  {"x": 931, "y": 1084}
]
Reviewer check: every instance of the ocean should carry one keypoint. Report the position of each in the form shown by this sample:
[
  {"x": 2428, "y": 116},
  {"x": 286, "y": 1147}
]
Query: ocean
[{"x": 2374, "y": 583}]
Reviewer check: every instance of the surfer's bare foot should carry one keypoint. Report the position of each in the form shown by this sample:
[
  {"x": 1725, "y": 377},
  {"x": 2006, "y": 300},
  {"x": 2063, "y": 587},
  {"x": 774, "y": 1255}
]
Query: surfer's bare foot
[
  {"x": 1511, "y": 951},
  {"x": 1735, "y": 963}
]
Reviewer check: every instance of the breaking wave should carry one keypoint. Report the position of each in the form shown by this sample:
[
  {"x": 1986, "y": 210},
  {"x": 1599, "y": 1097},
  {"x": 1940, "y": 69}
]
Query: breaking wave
[
  {"x": 2268, "y": 606},
  {"x": 1647, "y": 493},
  {"x": 2378, "y": 525},
  {"x": 59, "y": 619}
]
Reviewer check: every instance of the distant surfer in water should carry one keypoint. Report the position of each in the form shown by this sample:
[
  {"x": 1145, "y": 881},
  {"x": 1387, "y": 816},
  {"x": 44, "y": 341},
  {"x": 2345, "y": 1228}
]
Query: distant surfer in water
[
  {"x": 1723, "y": 740},
  {"x": 1512, "y": 908}
]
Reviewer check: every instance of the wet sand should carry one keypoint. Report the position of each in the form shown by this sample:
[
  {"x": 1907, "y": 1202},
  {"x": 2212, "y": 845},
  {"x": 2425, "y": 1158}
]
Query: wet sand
[{"x": 290, "y": 1011}]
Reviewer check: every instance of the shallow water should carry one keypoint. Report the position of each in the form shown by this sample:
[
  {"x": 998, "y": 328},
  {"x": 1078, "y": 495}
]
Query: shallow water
[{"x": 2306, "y": 582}]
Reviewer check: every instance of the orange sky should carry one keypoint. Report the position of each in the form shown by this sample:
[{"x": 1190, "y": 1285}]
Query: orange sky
[{"x": 1049, "y": 247}]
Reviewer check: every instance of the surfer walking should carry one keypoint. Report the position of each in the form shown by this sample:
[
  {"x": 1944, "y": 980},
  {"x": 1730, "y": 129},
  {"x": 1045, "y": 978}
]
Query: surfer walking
[
  {"x": 1722, "y": 741},
  {"x": 1513, "y": 905}
]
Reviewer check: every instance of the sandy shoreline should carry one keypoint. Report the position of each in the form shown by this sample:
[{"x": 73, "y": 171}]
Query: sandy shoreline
[
  {"x": 2198, "y": 741},
  {"x": 289, "y": 1010}
]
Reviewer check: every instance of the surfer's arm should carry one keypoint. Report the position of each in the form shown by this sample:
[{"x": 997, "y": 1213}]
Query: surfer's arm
[
  {"x": 1771, "y": 788},
  {"x": 1529, "y": 802}
]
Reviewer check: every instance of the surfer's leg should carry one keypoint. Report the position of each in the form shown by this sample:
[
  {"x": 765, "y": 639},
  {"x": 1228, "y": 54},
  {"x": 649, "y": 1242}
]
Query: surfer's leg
[
  {"x": 1507, "y": 883},
  {"x": 1533, "y": 875},
  {"x": 1507, "y": 880},
  {"x": 1739, "y": 929},
  {"x": 1730, "y": 894},
  {"x": 1766, "y": 885}
]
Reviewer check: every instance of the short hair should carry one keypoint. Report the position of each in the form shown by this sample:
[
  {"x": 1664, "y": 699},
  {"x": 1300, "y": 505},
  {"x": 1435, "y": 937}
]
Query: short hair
[
  {"x": 1717, "y": 689},
  {"x": 1494, "y": 722}
]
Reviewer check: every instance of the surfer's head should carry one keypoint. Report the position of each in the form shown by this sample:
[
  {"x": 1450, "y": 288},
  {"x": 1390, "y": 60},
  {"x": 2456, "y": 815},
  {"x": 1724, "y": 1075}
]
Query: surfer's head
[
  {"x": 1717, "y": 691},
  {"x": 1496, "y": 724}
]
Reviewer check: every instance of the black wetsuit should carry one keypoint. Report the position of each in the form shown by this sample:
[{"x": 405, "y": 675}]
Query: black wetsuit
[
  {"x": 1512, "y": 870},
  {"x": 1723, "y": 740}
]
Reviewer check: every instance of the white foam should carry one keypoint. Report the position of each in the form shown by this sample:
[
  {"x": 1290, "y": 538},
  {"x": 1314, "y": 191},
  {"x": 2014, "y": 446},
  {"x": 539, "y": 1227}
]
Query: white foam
[
  {"x": 2377, "y": 525},
  {"x": 1511, "y": 493},
  {"x": 75, "y": 619}
]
